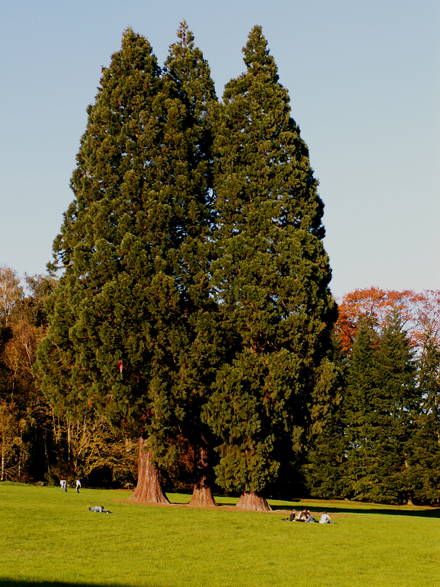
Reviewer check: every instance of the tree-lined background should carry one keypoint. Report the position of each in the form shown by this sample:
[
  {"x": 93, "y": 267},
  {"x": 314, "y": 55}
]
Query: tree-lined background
[{"x": 186, "y": 337}]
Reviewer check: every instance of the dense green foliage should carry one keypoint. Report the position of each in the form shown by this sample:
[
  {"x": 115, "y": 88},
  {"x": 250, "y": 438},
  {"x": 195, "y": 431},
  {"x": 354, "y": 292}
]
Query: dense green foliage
[
  {"x": 190, "y": 310},
  {"x": 38, "y": 442},
  {"x": 379, "y": 412},
  {"x": 269, "y": 277},
  {"x": 424, "y": 446},
  {"x": 125, "y": 316},
  {"x": 386, "y": 430}
]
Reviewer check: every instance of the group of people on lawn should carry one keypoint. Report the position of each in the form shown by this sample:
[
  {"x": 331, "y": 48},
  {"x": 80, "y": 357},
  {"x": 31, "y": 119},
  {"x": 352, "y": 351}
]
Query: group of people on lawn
[
  {"x": 306, "y": 516},
  {"x": 97, "y": 509}
]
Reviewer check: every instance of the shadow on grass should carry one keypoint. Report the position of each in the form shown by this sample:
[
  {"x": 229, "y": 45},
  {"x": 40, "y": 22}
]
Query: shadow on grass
[
  {"x": 340, "y": 509},
  {"x": 335, "y": 509},
  {"x": 29, "y": 582}
]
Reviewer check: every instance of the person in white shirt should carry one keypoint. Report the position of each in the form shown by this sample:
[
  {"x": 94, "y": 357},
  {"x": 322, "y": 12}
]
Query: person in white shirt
[
  {"x": 325, "y": 519},
  {"x": 98, "y": 509},
  {"x": 77, "y": 485}
]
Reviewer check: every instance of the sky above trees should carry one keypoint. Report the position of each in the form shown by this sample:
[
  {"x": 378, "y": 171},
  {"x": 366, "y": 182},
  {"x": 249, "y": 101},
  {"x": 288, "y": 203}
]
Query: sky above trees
[{"x": 364, "y": 88}]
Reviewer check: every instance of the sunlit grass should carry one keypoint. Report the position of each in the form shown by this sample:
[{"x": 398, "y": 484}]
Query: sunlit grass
[{"x": 49, "y": 536}]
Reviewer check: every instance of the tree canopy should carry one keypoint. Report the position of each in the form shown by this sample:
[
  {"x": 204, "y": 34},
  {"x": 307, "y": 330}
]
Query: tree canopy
[
  {"x": 193, "y": 309},
  {"x": 270, "y": 276}
]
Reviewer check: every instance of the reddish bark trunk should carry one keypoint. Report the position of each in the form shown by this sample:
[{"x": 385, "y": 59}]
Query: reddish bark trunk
[
  {"x": 148, "y": 488},
  {"x": 254, "y": 502},
  {"x": 202, "y": 492}
]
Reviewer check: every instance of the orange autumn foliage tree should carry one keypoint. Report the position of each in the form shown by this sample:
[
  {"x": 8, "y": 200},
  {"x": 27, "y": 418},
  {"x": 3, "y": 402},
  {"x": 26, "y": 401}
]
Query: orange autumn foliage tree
[{"x": 420, "y": 313}]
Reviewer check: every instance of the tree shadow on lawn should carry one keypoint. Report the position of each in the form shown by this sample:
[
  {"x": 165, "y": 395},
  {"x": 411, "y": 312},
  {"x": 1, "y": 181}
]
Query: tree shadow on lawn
[
  {"x": 29, "y": 582},
  {"x": 332, "y": 508},
  {"x": 340, "y": 509}
]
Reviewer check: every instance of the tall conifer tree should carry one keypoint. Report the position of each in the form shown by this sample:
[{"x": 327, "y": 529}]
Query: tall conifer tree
[
  {"x": 270, "y": 278},
  {"x": 380, "y": 406},
  {"x": 101, "y": 303},
  {"x": 397, "y": 408},
  {"x": 188, "y": 77},
  {"x": 423, "y": 447},
  {"x": 360, "y": 413},
  {"x": 326, "y": 453}
]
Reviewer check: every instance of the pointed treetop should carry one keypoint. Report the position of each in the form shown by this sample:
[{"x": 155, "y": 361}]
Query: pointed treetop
[
  {"x": 189, "y": 70},
  {"x": 256, "y": 53},
  {"x": 135, "y": 46},
  {"x": 130, "y": 38},
  {"x": 185, "y": 35},
  {"x": 184, "y": 47}
]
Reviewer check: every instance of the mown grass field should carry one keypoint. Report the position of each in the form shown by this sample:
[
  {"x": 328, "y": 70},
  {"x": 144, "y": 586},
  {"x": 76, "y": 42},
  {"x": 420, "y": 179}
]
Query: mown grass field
[{"x": 48, "y": 537}]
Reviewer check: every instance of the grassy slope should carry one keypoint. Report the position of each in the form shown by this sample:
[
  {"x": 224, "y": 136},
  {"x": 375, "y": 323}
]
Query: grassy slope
[{"x": 49, "y": 536}]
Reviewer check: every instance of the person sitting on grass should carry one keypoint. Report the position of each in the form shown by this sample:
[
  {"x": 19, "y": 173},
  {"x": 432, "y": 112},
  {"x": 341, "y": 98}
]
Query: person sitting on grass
[
  {"x": 303, "y": 516},
  {"x": 291, "y": 518},
  {"x": 325, "y": 519},
  {"x": 309, "y": 518},
  {"x": 98, "y": 509}
]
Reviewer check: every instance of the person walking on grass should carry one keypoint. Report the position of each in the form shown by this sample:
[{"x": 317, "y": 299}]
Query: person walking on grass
[
  {"x": 77, "y": 485},
  {"x": 63, "y": 484}
]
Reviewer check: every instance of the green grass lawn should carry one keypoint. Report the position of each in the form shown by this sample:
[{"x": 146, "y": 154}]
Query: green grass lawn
[{"x": 50, "y": 537}]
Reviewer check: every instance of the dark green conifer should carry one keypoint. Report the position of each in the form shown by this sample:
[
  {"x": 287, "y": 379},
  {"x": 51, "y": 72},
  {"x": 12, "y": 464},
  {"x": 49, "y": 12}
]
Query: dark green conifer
[
  {"x": 270, "y": 279},
  {"x": 325, "y": 456},
  {"x": 381, "y": 403},
  {"x": 397, "y": 408},
  {"x": 187, "y": 78},
  {"x": 360, "y": 413},
  {"x": 99, "y": 349},
  {"x": 130, "y": 248},
  {"x": 423, "y": 447}
]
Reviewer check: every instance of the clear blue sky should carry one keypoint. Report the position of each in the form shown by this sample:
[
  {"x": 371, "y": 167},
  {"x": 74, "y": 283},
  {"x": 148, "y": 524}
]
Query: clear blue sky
[{"x": 363, "y": 77}]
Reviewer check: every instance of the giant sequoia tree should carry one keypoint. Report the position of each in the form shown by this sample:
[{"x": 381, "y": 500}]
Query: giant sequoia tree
[
  {"x": 270, "y": 279},
  {"x": 181, "y": 317},
  {"x": 189, "y": 167},
  {"x": 120, "y": 318}
]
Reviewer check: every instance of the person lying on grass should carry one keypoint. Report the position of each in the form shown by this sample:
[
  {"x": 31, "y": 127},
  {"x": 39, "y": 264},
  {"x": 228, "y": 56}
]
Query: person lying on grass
[{"x": 99, "y": 509}]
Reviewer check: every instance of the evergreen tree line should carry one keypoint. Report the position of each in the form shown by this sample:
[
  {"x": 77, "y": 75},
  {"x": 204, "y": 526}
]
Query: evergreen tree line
[{"x": 382, "y": 441}]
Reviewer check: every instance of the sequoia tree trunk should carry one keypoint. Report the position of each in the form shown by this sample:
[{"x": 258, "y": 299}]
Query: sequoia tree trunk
[
  {"x": 202, "y": 492},
  {"x": 254, "y": 502},
  {"x": 148, "y": 488}
]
